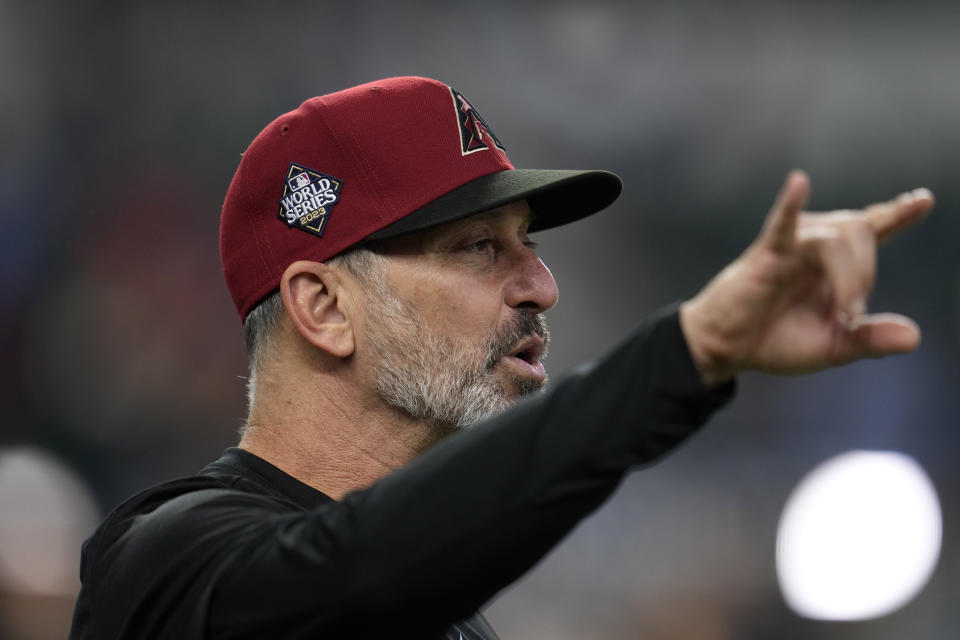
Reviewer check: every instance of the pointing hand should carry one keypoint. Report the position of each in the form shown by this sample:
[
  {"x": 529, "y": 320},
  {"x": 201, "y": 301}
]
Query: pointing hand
[{"x": 795, "y": 300}]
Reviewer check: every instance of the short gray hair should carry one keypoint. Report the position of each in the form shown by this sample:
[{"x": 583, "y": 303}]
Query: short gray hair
[{"x": 263, "y": 320}]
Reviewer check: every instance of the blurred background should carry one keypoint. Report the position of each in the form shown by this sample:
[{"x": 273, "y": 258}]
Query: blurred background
[{"x": 123, "y": 362}]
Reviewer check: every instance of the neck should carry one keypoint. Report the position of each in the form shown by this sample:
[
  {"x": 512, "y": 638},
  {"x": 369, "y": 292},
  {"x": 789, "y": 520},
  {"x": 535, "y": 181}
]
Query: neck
[{"x": 337, "y": 445}]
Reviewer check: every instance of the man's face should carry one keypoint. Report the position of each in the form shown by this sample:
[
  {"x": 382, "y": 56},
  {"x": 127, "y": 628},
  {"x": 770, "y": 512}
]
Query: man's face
[{"x": 456, "y": 326}]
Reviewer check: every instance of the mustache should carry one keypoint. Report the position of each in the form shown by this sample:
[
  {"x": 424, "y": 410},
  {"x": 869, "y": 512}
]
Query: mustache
[{"x": 522, "y": 325}]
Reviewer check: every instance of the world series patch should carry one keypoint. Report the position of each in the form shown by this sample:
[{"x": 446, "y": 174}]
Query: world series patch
[{"x": 308, "y": 198}]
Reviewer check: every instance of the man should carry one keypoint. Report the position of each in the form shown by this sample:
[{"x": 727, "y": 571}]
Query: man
[{"x": 375, "y": 242}]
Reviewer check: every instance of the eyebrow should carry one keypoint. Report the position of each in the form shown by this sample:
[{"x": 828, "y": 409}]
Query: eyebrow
[{"x": 529, "y": 216}]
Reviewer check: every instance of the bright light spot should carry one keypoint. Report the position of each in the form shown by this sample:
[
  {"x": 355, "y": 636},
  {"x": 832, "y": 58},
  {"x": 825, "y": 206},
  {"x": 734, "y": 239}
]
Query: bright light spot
[
  {"x": 47, "y": 512},
  {"x": 859, "y": 537}
]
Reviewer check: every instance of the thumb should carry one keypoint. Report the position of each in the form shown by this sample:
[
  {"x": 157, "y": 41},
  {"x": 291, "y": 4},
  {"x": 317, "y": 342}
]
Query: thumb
[{"x": 882, "y": 334}]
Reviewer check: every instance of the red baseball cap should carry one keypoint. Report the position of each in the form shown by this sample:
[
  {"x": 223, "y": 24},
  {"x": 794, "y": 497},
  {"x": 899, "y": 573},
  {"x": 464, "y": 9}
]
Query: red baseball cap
[{"x": 372, "y": 162}]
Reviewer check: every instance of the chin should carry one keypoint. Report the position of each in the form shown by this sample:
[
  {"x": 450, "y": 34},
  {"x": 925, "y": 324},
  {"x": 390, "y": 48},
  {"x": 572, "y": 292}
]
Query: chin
[{"x": 522, "y": 387}]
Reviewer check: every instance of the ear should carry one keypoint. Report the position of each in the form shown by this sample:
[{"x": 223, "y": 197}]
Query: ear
[{"x": 313, "y": 296}]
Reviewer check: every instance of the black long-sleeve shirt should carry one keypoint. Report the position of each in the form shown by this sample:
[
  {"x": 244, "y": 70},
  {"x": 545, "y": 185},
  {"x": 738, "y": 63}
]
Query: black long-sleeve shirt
[{"x": 243, "y": 550}]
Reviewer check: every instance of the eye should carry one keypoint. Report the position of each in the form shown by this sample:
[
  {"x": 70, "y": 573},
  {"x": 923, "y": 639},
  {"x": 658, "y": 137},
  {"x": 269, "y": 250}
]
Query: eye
[{"x": 483, "y": 245}]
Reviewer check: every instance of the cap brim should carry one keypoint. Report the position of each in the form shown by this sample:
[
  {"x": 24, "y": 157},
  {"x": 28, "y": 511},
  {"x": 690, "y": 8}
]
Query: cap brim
[{"x": 556, "y": 197}]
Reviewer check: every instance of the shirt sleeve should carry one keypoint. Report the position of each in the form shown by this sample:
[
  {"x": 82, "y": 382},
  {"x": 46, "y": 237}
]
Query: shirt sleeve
[{"x": 432, "y": 542}]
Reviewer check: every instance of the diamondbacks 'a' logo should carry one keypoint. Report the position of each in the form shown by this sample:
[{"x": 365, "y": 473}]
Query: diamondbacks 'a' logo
[
  {"x": 308, "y": 198},
  {"x": 475, "y": 134}
]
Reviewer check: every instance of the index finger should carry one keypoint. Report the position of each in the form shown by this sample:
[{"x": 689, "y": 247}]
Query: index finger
[
  {"x": 779, "y": 227},
  {"x": 888, "y": 218}
]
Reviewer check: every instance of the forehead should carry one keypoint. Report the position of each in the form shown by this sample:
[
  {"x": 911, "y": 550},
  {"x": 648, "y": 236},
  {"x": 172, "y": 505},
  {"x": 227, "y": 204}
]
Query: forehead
[
  {"x": 509, "y": 213},
  {"x": 514, "y": 215}
]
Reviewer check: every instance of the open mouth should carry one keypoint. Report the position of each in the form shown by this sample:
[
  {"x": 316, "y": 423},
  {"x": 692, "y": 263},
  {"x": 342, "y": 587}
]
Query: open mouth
[
  {"x": 530, "y": 349},
  {"x": 525, "y": 358}
]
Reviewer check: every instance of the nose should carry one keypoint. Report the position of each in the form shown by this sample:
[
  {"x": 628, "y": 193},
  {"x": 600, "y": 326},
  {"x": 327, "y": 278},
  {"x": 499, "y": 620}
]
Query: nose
[{"x": 531, "y": 286}]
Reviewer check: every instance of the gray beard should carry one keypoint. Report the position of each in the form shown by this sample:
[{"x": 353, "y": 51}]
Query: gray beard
[{"x": 435, "y": 377}]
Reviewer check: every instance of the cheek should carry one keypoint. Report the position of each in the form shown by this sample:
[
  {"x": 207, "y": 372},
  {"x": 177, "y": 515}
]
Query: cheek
[
  {"x": 465, "y": 314},
  {"x": 470, "y": 322},
  {"x": 461, "y": 306}
]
